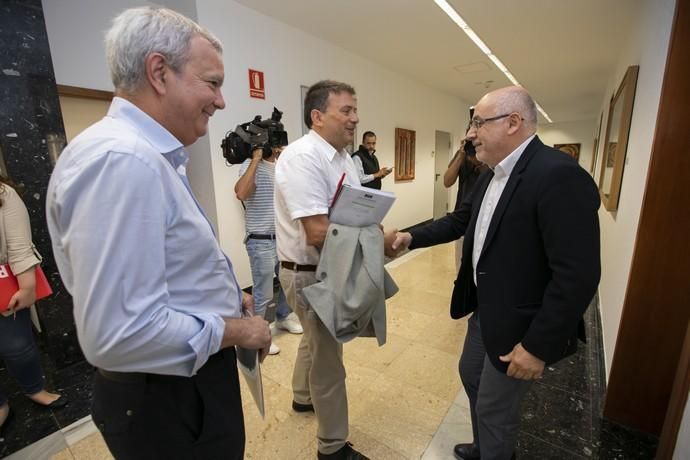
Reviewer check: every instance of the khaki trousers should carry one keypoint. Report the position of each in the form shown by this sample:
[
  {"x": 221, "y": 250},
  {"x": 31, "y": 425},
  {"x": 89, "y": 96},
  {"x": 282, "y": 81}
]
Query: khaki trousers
[{"x": 319, "y": 375}]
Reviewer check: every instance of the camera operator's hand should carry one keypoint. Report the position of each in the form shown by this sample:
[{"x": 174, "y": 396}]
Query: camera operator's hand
[{"x": 246, "y": 186}]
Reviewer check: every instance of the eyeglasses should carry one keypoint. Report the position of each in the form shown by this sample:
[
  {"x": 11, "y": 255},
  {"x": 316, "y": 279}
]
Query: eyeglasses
[{"x": 478, "y": 122}]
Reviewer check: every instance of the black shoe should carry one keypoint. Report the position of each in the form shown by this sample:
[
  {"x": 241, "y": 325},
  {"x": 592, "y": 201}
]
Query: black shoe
[
  {"x": 466, "y": 451},
  {"x": 57, "y": 404},
  {"x": 344, "y": 453},
  {"x": 297, "y": 407}
]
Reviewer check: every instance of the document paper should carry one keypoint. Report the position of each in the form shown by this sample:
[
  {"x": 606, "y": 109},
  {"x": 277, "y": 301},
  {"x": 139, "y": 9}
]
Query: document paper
[
  {"x": 358, "y": 206},
  {"x": 248, "y": 362}
]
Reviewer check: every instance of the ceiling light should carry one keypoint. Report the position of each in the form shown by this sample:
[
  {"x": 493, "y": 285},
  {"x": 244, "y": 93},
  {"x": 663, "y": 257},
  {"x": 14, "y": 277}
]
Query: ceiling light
[{"x": 457, "y": 19}]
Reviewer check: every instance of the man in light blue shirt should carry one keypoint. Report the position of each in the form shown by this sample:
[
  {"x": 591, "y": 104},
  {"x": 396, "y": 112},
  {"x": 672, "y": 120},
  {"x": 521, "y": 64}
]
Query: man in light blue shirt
[{"x": 156, "y": 303}]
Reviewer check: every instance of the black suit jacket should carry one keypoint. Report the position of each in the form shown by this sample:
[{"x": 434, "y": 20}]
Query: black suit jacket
[{"x": 540, "y": 264}]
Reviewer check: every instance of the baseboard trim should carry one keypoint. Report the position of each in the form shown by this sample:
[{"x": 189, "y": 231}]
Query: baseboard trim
[{"x": 595, "y": 349}]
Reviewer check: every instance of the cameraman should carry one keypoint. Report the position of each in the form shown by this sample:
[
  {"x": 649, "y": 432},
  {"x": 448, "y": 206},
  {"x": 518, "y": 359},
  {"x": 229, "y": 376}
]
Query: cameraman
[
  {"x": 467, "y": 168},
  {"x": 255, "y": 189}
]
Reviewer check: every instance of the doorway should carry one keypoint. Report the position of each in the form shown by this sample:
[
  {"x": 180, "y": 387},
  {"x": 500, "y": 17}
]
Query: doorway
[{"x": 441, "y": 159}]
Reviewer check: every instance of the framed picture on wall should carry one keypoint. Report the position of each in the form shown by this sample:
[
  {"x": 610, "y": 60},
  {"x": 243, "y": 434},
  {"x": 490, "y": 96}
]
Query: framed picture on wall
[
  {"x": 595, "y": 150},
  {"x": 404, "y": 154},
  {"x": 571, "y": 149},
  {"x": 615, "y": 142}
]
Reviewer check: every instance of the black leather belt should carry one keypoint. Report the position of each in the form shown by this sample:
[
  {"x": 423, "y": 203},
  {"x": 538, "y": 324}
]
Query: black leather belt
[
  {"x": 255, "y": 236},
  {"x": 125, "y": 377},
  {"x": 143, "y": 377},
  {"x": 297, "y": 267}
]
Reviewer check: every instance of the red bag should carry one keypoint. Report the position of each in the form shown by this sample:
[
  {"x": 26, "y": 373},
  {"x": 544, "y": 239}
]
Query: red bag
[{"x": 9, "y": 285}]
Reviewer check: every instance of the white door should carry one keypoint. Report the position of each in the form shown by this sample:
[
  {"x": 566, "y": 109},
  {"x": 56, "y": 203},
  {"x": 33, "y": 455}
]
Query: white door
[{"x": 441, "y": 159}]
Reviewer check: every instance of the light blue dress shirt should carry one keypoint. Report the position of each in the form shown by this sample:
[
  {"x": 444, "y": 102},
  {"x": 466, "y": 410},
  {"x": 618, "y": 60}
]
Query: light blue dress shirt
[{"x": 151, "y": 285}]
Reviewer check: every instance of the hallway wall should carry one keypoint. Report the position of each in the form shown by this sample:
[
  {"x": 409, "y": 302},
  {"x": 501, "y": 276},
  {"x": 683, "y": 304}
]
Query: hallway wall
[
  {"x": 682, "y": 450},
  {"x": 582, "y": 132},
  {"x": 648, "y": 49}
]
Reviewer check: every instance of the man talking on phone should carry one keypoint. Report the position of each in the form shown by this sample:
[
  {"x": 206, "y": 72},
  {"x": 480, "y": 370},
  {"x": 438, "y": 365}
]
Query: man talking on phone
[{"x": 465, "y": 168}]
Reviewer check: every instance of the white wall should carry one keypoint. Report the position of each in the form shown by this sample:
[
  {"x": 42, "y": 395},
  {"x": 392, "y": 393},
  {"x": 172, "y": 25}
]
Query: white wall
[
  {"x": 647, "y": 48},
  {"x": 575, "y": 132},
  {"x": 76, "y": 30},
  {"x": 682, "y": 449},
  {"x": 290, "y": 58}
]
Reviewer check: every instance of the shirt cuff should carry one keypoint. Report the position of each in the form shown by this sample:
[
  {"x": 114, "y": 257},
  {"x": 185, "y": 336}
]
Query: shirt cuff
[
  {"x": 208, "y": 340},
  {"x": 308, "y": 213},
  {"x": 24, "y": 265}
]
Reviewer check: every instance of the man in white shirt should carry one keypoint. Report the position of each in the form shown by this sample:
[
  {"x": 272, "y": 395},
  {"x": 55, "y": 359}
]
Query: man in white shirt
[
  {"x": 530, "y": 265},
  {"x": 307, "y": 177}
]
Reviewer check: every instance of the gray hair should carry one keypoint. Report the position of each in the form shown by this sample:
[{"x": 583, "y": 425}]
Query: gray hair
[
  {"x": 138, "y": 32},
  {"x": 517, "y": 99}
]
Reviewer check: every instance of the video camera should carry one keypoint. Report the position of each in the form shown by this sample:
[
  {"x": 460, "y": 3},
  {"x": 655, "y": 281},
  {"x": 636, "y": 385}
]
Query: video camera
[{"x": 239, "y": 144}]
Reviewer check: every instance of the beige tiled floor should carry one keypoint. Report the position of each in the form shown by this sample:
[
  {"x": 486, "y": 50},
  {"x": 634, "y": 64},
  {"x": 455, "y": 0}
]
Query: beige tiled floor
[{"x": 400, "y": 394}]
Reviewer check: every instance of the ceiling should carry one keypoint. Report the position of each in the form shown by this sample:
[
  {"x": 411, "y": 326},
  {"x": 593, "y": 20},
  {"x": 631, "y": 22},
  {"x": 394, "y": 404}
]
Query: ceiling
[{"x": 562, "y": 51}]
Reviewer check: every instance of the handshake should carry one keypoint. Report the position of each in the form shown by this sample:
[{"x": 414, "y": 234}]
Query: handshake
[{"x": 394, "y": 242}]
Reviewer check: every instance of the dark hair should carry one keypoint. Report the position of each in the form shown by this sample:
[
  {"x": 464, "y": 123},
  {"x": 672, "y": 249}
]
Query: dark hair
[
  {"x": 317, "y": 96},
  {"x": 367, "y": 134}
]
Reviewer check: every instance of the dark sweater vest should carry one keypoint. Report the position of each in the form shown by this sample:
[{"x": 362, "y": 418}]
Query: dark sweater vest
[{"x": 371, "y": 166}]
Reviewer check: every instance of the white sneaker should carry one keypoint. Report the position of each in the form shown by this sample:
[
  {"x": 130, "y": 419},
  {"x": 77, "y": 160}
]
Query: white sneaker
[
  {"x": 274, "y": 350},
  {"x": 290, "y": 323}
]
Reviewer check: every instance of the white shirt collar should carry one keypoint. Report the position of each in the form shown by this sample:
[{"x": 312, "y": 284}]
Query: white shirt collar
[
  {"x": 505, "y": 167},
  {"x": 161, "y": 139},
  {"x": 326, "y": 147}
]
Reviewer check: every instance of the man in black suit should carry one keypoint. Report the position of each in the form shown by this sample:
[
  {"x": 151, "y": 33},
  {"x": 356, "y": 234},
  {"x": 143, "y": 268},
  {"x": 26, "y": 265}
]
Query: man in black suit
[{"x": 530, "y": 265}]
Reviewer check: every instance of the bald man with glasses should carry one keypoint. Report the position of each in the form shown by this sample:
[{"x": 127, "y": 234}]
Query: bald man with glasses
[{"x": 530, "y": 265}]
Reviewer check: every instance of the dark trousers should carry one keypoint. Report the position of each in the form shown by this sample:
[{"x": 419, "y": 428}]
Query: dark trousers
[
  {"x": 495, "y": 398},
  {"x": 147, "y": 416},
  {"x": 19, "y": 352}
]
